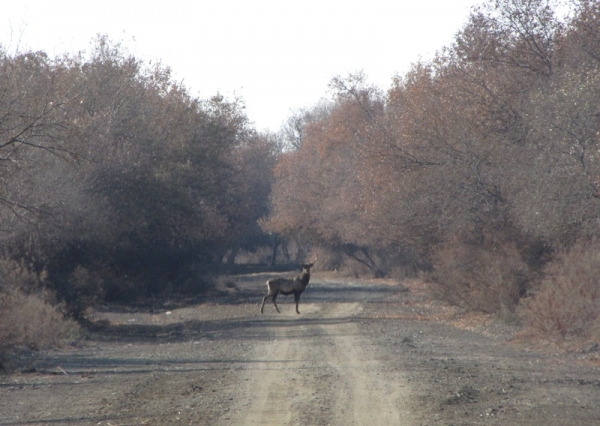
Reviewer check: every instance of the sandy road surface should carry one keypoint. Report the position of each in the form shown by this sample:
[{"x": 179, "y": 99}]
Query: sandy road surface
[
  {"x": 314, "y": 371},
  {"x": 359, "y": 354}
]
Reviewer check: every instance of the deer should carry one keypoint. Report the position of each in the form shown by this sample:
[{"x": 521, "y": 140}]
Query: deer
[{"x": 287, "y": 286}]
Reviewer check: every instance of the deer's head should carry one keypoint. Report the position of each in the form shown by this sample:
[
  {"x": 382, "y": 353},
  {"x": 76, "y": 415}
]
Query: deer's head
[{"x": 306, "y": 266}]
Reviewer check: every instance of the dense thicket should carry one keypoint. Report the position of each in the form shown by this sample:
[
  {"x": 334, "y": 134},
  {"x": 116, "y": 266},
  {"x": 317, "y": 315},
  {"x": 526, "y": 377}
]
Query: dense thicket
[
  {"x": 483, "y": 161},
  {"x": 116, "y": 181}
]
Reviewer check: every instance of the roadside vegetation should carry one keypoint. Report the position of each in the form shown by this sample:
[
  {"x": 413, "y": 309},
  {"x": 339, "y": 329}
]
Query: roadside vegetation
[
  {"x": 116, "y": 184},
  {"x": 479, "y": 169}
]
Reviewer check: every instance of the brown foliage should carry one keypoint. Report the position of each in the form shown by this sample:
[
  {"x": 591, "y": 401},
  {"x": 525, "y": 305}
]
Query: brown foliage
[
  {"x": 567, "y": 301},
  {"x": 489, "y": 276},
  {"x": 27, "y": 318},
  {"x": 30, "y": 321},
  {"x": 117, "y": 180},
  {"x": 319, "y": 186},
  {"x": 499, "y": 134}
]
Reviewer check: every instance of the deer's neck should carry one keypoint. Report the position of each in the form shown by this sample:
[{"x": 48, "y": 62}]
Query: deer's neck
[{"x": 305, "y": 278}]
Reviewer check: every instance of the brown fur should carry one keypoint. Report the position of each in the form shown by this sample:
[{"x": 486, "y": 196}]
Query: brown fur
[{"x": 287, "y": 286}]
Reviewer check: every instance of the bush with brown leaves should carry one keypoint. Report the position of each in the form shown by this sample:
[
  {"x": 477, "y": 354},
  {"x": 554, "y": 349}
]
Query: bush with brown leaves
[
  {"x": 27, "y": 318},
  {"x": 488, "y": 277},
  {"x": 567, "y": 301}
]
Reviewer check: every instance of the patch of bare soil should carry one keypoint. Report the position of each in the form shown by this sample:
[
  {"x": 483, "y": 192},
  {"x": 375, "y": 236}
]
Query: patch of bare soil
[{"x": 360, "y": 353}]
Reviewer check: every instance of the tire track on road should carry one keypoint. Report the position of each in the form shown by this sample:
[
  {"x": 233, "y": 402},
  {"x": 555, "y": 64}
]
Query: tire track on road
[{"x": 316, "y": 371}]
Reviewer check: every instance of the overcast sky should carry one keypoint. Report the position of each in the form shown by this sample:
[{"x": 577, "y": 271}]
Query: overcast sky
[{"x": 278, "y": 55}]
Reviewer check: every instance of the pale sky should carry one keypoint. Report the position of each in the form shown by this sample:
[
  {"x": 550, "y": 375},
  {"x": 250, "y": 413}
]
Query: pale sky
[{"x": 278, "y": 55}]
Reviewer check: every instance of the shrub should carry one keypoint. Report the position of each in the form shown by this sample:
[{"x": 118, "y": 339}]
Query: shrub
[
  {"x": 27, "y": 319},
  {"x": 567, "y": 301},
  {"x": 488, "y": 276},
  {"x": 18, "y": 275},
  {"x": 83, "y": 289}
]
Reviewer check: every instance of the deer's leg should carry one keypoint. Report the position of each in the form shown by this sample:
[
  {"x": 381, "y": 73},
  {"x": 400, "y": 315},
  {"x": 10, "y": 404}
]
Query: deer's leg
[
  {"x": 269, "y": 294},
  {"x": 297, "y": 299},
  {"x": 264, "y": 300},
  {"x": 275, "y": 297}
]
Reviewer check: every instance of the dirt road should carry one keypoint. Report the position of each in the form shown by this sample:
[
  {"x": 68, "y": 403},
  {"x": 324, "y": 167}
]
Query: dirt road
[
  {"x": 359, "y": 354},
  {"x": 318, "y": 371}
]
